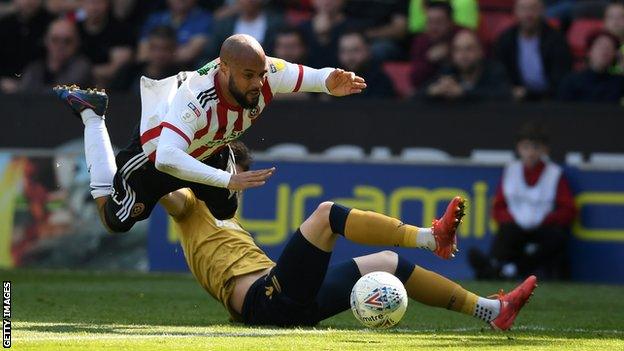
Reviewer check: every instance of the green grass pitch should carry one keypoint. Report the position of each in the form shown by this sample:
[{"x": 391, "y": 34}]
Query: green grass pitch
[{"x": 54, "y": 310}]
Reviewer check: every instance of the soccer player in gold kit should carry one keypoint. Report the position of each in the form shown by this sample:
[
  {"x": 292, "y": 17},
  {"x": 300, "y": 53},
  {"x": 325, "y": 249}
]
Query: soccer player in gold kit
[{"x": 301, "y": 288}]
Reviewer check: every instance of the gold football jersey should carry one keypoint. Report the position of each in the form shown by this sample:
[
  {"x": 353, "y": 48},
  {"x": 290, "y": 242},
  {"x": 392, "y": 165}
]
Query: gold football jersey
[{"x": 217, "y": 250}]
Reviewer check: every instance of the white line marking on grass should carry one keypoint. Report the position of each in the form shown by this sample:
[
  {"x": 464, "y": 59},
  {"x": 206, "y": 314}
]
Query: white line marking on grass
[{"x": 134, "y": 331}]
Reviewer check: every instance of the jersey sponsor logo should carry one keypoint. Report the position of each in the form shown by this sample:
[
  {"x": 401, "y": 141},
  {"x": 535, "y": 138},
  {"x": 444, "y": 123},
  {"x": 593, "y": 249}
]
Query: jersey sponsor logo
[
  {"x": 207, "y": 95},
  {"x": 207, "y": 67},
  {"x": 194, "y": 109},
  {"x": 213, "y": 143},
  {"x": 137, "y": 209}
]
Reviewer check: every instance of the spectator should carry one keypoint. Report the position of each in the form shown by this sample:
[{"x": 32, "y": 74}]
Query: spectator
[
  {"x": 291, "y": 46},
  {"x": 7, "y": 7},
  {"x": 595, "y": 83},
  {"x": 253, "y": 19},
  {"x": 465, "y": 14},
  {"x": 534, "y": 208},
  {"x": 431, "y": 49},
  {"x": 384, "y": 22},
  {"x": 62, "y": 7},
  {"x": 133, "y": 13},
  {"x": 21, "y": 34},
  {"x": 193, "y": 28},
  {"x": 614, "y": 24},
  {"x": 534, "y": 54},
  {"x": 160, "y": 63},
  {"x": 614, "y": 19},
  {"x": 63, "y": 63},
  {"x": 106, "y": 42},
  {"x": 470, "y": 76},
  {"x": 323, "y": 31},
  {"x": 355, "y": 55}
]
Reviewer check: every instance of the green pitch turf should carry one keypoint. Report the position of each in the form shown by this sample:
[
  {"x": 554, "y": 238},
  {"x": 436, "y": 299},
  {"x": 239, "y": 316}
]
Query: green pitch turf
[{"x": 131, "y": 311}]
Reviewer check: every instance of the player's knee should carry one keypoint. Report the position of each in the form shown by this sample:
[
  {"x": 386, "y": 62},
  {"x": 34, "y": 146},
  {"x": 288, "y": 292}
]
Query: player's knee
[
  {"x": 321, "y": 214},
  {"x": 387, "y": 261},
  {"x": 324, "y": 208}
]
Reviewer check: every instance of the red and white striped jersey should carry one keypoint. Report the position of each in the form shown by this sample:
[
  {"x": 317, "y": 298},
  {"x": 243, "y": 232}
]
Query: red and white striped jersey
[{"x": 191, "y": 104}]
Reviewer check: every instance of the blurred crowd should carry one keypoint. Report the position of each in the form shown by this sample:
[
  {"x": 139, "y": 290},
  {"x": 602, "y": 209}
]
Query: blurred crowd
[{"x": 523, "y": 50}]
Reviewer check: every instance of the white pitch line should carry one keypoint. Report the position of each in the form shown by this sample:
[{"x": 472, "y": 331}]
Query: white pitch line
[{"x": 274, "y": 332}]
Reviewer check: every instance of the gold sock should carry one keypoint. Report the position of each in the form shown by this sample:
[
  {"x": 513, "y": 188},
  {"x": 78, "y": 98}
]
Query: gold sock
[
  {"x": 371, "y": 228},
  {"x": 432, "y": 289}
]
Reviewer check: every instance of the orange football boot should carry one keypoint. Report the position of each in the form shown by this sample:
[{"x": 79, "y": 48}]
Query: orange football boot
[
  {"x": 512, "y": 303},
  {"x": 445, "y": 228}
]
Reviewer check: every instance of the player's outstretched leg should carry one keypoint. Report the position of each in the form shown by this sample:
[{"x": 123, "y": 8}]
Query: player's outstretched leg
[
  {"x": 422, "y": 285},
  {"x": 90, "y": 106},
  {"x": 370, "y": 228}
]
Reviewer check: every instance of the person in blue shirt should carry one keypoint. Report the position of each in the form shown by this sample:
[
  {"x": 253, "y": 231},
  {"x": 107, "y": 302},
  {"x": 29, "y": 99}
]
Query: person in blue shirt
[{"x": 193, "y": 29}]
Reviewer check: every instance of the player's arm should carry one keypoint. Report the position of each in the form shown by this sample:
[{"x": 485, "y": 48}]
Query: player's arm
[
  {"x": 172, "y": 157},
  {"x": 286, "y": 77},
  {"x": 176, "y": 202}
]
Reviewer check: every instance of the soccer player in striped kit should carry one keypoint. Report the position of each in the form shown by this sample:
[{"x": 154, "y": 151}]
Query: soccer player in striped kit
[{"x": 186, "y": 124}]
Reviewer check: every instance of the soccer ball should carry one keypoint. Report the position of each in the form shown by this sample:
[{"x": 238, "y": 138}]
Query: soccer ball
[{"x": 378, "y": 300}]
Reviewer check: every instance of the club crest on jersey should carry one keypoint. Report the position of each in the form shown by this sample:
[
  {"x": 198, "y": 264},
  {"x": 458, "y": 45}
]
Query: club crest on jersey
[
  {"x": 137, "y": 209},
  {"x": 194, "y": 109},
  {"x": 254, "y": 112}
]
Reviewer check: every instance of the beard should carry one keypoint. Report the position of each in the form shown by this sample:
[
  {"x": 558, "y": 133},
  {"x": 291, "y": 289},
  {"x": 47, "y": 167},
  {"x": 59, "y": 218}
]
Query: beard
[{"x": 241, "y": 98}]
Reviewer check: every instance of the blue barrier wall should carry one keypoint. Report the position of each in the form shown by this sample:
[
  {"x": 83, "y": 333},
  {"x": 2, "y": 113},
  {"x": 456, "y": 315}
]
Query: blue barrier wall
[{"x": 414, "y": 193}]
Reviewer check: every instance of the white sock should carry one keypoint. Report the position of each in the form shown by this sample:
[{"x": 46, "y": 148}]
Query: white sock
[
  {"x": 487, "y": 309},
  {"x": 99, "y": 154},
  {"x": 425, "y": 239}
]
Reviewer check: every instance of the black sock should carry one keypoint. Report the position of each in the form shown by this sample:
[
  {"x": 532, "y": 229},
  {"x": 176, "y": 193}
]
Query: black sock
[
  {"x": 404, "y": 269},
  {"x": 338, "y": 218}
]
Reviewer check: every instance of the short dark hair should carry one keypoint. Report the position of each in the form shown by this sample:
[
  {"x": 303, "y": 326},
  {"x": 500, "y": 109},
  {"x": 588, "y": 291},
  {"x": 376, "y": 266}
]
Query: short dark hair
[
  {"x": 533, "y": 131},
  {"x": 163, "y": 32},
  {"x": 440, "y": 4},
  {"x": 357, "y": 32},
  {"x": 241, "y": 154},
  {"x": 591, "y": 39},
  {"x": 290, "y": 30}
]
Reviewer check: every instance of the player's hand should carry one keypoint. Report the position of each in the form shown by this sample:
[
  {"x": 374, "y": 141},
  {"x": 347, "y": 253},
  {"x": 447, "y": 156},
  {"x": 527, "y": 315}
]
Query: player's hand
[
  {"x": 250, "y": 179},
  {"x": 342, "y": 83}
]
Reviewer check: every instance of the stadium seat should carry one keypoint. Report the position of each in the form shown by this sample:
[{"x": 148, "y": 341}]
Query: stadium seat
[
  {"x": 574, "y": 158},
  {"x": 497, "y": 5},
  {"x": 381, "y": 153},
  {"x": 287, "y": 150},
  {"x": 344, "y": 152},
  {"x": 424, "y": 154},
  {"x": 493, "y": 24},
  {"x": 492, "y": 157},
  {"x": 296, "y": 17},
  {"x": 610, "y": 160},
  {"x": 399, "y": 73},
  {"x": 578, "y": 33}
]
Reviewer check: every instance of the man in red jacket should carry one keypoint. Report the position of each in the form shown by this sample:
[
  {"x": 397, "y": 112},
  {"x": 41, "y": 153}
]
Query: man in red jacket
[{"x": 534, "y": 208}]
